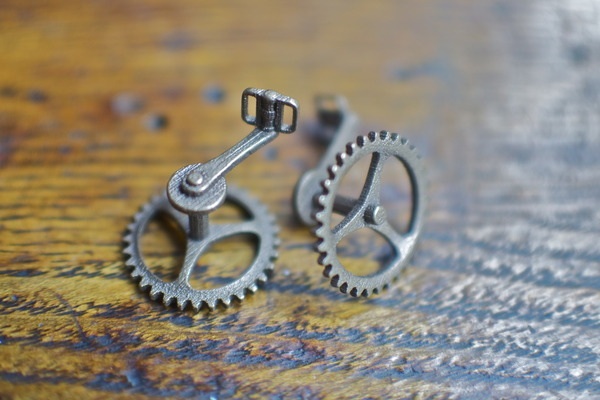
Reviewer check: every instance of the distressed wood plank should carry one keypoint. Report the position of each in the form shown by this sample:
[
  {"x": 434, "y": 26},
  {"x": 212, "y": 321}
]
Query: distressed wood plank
[{"x": 101, "y": 102}]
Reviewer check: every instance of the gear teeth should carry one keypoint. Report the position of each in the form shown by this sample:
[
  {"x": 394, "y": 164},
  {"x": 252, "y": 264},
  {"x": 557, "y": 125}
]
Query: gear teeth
[
  {"x": 383, "y": 135},
  {"x": 327, "y": 271},
  {"x": 212, "y": 304},
  {"x": 129, "y": 251},
  {"x": 322, "y": 249},
  {"x": 154, "y": 293},
  {"x": 268, "y": 268},
  {"x": 263, "y": 277},
  {"x": 404, "y": 141},
  {"x": 253, "y": 288},
  {"x": 144, "y": 282},
  {"x": 313, "y": 215},
  {"x": 354, "y": 292},
  {"x": 182, "y": 303},
  {"x": 372, "y": 136},
  {"x": 320, "y": 227},
  {"x": 341, "y": 158},
  {"x": 335, "y": 281},
  {"x": 320, "y": 245},
  {"x": 153, "y": 296},
  {"x": 344, "y": 287},
  {"x": 197, "y": 304},
  {"x": 350, "y": 147},
  {"x": 332, "y": 171},
  {"x": 361, "y": 141},
  {"x": 323, "y": 259},
  {"x": 322, "y": 199},
  {"x": 241, "y": 295},
  {"x": 394, "y": 137},
  {"x": 321, "y": 230},
  {"x": 226, "y": 301},
  {"x": 321, "y": 202},
  {"x": 167, "y": 301}
]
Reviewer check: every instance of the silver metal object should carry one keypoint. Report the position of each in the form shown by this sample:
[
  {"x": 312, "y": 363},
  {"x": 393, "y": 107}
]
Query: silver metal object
[
  {"x": 197, "y": 190},
  {"x": 316, "y": 199},
  {"x": 337, "y": 126}
]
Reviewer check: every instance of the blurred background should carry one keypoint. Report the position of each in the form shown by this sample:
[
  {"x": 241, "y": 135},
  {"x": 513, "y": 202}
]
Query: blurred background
[{"x": 101, "y": 101}]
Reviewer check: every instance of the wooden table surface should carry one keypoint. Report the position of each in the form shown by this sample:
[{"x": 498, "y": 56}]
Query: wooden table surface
[{"x": 100, "y": 102}]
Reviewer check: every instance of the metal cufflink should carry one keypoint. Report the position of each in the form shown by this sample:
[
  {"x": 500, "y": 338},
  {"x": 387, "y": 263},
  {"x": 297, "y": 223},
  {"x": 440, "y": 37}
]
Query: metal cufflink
[
  {"x": 196, "y": 190},
  {"x": 316, "y": 196}
]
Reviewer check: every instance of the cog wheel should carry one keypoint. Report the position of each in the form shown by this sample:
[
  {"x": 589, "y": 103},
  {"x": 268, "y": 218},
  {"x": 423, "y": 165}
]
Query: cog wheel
[
  {"x": 261, "y": 224},
  {"x": 368, "y": 211}
]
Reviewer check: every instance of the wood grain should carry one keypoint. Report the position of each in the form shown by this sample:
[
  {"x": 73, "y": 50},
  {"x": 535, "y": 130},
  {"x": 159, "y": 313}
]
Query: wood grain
[{"x": 101, "y": 101}]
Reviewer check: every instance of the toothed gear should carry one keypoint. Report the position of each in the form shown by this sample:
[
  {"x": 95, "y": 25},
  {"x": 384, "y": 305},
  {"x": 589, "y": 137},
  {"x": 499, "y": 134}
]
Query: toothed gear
[
  {"x": 261, "y": 224},
  {"x": 368, "y": 211}
]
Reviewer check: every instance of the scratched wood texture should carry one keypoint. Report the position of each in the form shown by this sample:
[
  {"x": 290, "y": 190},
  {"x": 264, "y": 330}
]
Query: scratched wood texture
[{"x": 101, "y": 101}]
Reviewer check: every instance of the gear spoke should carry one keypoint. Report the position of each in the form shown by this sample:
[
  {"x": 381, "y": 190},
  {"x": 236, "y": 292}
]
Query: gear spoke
[
  {"x": 192, "y": 252},
  {"x": 372, "y": 188},
  {"x": 369, "y": 195},
  {"x": 195, "y": 248},
  {"x": 396, "y": 239},
  {"x": 221, "y": 231},
  {"x": 351, "y": 223}
]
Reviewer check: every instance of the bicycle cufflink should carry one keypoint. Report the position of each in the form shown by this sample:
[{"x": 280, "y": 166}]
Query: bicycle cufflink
[{"x": 196, "y": 190}]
